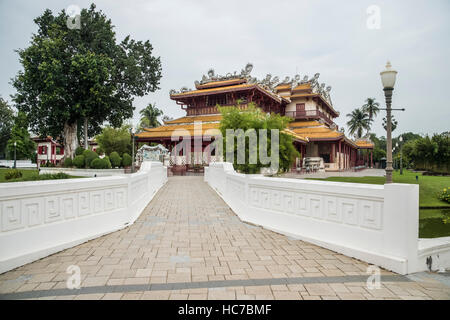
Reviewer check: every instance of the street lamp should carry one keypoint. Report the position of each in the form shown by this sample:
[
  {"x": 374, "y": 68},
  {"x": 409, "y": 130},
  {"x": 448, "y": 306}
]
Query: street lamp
[
  {"x": 401, "y": 155},
  {"x": 133, "y": 131},
  {"x": 15, "y": 144},
  {"x": 388, "y": 81}
]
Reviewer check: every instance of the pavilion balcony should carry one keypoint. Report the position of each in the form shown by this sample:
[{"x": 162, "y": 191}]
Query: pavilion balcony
[{"x": 309, "y": 114}]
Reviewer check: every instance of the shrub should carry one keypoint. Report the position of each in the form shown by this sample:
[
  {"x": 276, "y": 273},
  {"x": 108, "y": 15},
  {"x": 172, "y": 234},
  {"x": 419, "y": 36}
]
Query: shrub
[
  {"x": 101, "y": 163},
  {"x": 78, "y": 161},
  {"x": 68, "y": 163},
  {"x": 96, "y": 163},
  {"x": 115, "y": 159},
  {"x": 79, "y": 151},
  {"x": 51, "y": 176},
  {"x": 445, "y": 195},
  {"x": 89, "y": 155},
  {"x": 126, "y": 160},
  {"x": 100, "y": 151},
  {"x": 107, "y": 162},
  {"x": 13, "y": 174}
]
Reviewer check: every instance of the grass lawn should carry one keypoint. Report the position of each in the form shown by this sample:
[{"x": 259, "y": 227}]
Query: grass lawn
[
  {"x": 429, "y": 186},
  {"x": 431, "y": 221},
  {"x": 27, "y": 174}
]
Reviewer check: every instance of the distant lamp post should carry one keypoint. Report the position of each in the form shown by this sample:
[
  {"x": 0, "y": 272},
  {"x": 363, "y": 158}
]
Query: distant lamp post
[
  {"x": 133, "y": 131},
  {"x": 15, "y": 160},
  {"x": 388, "y": 80},
  {"x": 401, "y": 155}
]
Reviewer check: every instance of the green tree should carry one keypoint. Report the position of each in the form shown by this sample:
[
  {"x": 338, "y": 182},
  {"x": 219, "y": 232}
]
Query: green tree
[
  {"x": 394, "y": 123},
  {"x": 359, "y": 121},
  {"x": 25, "y": 147},
  {"x": 70, "y": 75},
  {"x": 371, "y": 107},
  {"x": 253, "y": 118},
  {"x": 112, "y": 139},
  {"x": 150, "y": 116},
  {"x": 6, "y": 124}
]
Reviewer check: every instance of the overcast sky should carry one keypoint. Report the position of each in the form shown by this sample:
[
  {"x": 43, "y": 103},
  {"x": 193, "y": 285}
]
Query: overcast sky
[{"x": 279, "y": 37}]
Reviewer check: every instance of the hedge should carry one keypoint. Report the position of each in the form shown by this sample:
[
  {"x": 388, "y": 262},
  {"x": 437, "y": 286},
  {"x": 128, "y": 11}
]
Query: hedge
[
  {"x": 78, "y": 161},
  {"x": 126, "y": 160},
  {"x": 115, "y": 159}
]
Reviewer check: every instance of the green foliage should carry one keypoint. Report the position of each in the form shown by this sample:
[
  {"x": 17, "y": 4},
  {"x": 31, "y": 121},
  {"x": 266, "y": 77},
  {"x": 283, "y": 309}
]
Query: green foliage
[
  {"x": 116, "y": 160},
  {"x": 6, "y": 124},
  {"x": 358, "y": 123},
  {"x": 445, "y": 195},
  {"x": 126, "y": 160},
  {"x": 89, "y": 155},
  {"x": 78, "y": 161},
  {"x": 25, "y": 147},
  {"x": 150, "y": 116},
  {"x": 101, "y": 163},
  {"x": 68, "y": 163},
  {"x": 394, "y": 123},
  {"x": 112, "y": 139},
  {"x": 100, "y": 151},
  {"x": 371, "y": 108},
  {"x": 72, "y": 74},
  {"x": 79, "y": 151},
  {"x": 254, "y": 118},
  {"x": 431, "y": 154},
  {"x": 13, "y": 174}
]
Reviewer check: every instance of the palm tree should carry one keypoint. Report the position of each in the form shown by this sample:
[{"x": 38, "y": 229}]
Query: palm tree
[
  {"x": 150, "y": 116},
  {"x": 359, "y": 121},
  {"x": 371, "y": 108}
]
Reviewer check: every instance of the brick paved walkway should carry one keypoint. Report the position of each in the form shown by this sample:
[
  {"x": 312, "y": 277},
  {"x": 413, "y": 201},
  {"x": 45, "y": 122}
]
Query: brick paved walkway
[{"x": 188, "y": 244}]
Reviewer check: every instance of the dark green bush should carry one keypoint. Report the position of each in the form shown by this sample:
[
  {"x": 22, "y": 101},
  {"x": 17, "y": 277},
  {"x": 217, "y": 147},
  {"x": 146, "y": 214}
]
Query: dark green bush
[
  {"x": 78, "y": 161},
  {"x": 79, "y": 151},
  {"x": 126, "y": 160},
  {"x": 68, "y": 163},
  {"x": 96, "y": 163},
  {"x": 100, "y": 151},
  {"x": 107, "y": 162},
  {"x": 115, "y": 159},
  {"x": 51, "y": 176},
  {"x": 89, "y": 155},
  {"x": 101, "y": 163},
  {"x": 13, "y": 174}
]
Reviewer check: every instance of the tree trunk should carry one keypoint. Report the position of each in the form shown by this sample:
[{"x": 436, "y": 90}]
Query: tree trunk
[
  {"x": 86, "y": 139},
  {"x": 70, "y": 139}
]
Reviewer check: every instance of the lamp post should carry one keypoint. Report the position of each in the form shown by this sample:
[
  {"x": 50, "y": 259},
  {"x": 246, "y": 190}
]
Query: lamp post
[
  {"x": 388, "y": 81},
  {"x": 401, "y": 155},
  {"x": 133, "y": 131},
  {"x": 15, "y": 144}
]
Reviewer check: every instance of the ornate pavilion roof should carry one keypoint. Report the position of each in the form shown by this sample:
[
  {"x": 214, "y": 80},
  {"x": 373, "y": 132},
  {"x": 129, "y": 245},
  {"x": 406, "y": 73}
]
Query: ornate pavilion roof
[{"x": 213, "y": 83}]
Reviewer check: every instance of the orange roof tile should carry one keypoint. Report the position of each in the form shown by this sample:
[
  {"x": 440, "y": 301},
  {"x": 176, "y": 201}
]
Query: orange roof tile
[
  {"x": 364, "y": 144},
  {"x": 239, "y": 86},
  {"x": 221, "y": 83},
  {"x": 192, "y": 119},
  {"x": 167, "y": 131}
]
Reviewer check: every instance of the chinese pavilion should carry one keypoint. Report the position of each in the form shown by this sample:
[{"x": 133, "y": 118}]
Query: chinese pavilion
[{"x": 306, "y": 101}]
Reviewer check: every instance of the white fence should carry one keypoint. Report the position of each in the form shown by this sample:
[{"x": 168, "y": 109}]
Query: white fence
[
  {"x": 374, "y": 223},
  {"x": 19, "y": 164},
  {"x": 83, "y": 172},
  {"x": 43, "y": 217}
]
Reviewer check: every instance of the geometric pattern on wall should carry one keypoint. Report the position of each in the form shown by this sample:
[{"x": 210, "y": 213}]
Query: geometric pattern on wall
[
  {"x": 371, "y": 213},
  {"x": 33, "y": 212},
  {"x": 12, "y": 216},
  {"x": 84, "y": 207},
  {"x": 348, "y": 208},
  {"x": 33, "y": 208},
  {"x": 335, "y": 209},
  {"x": 51, "y": 209}
]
